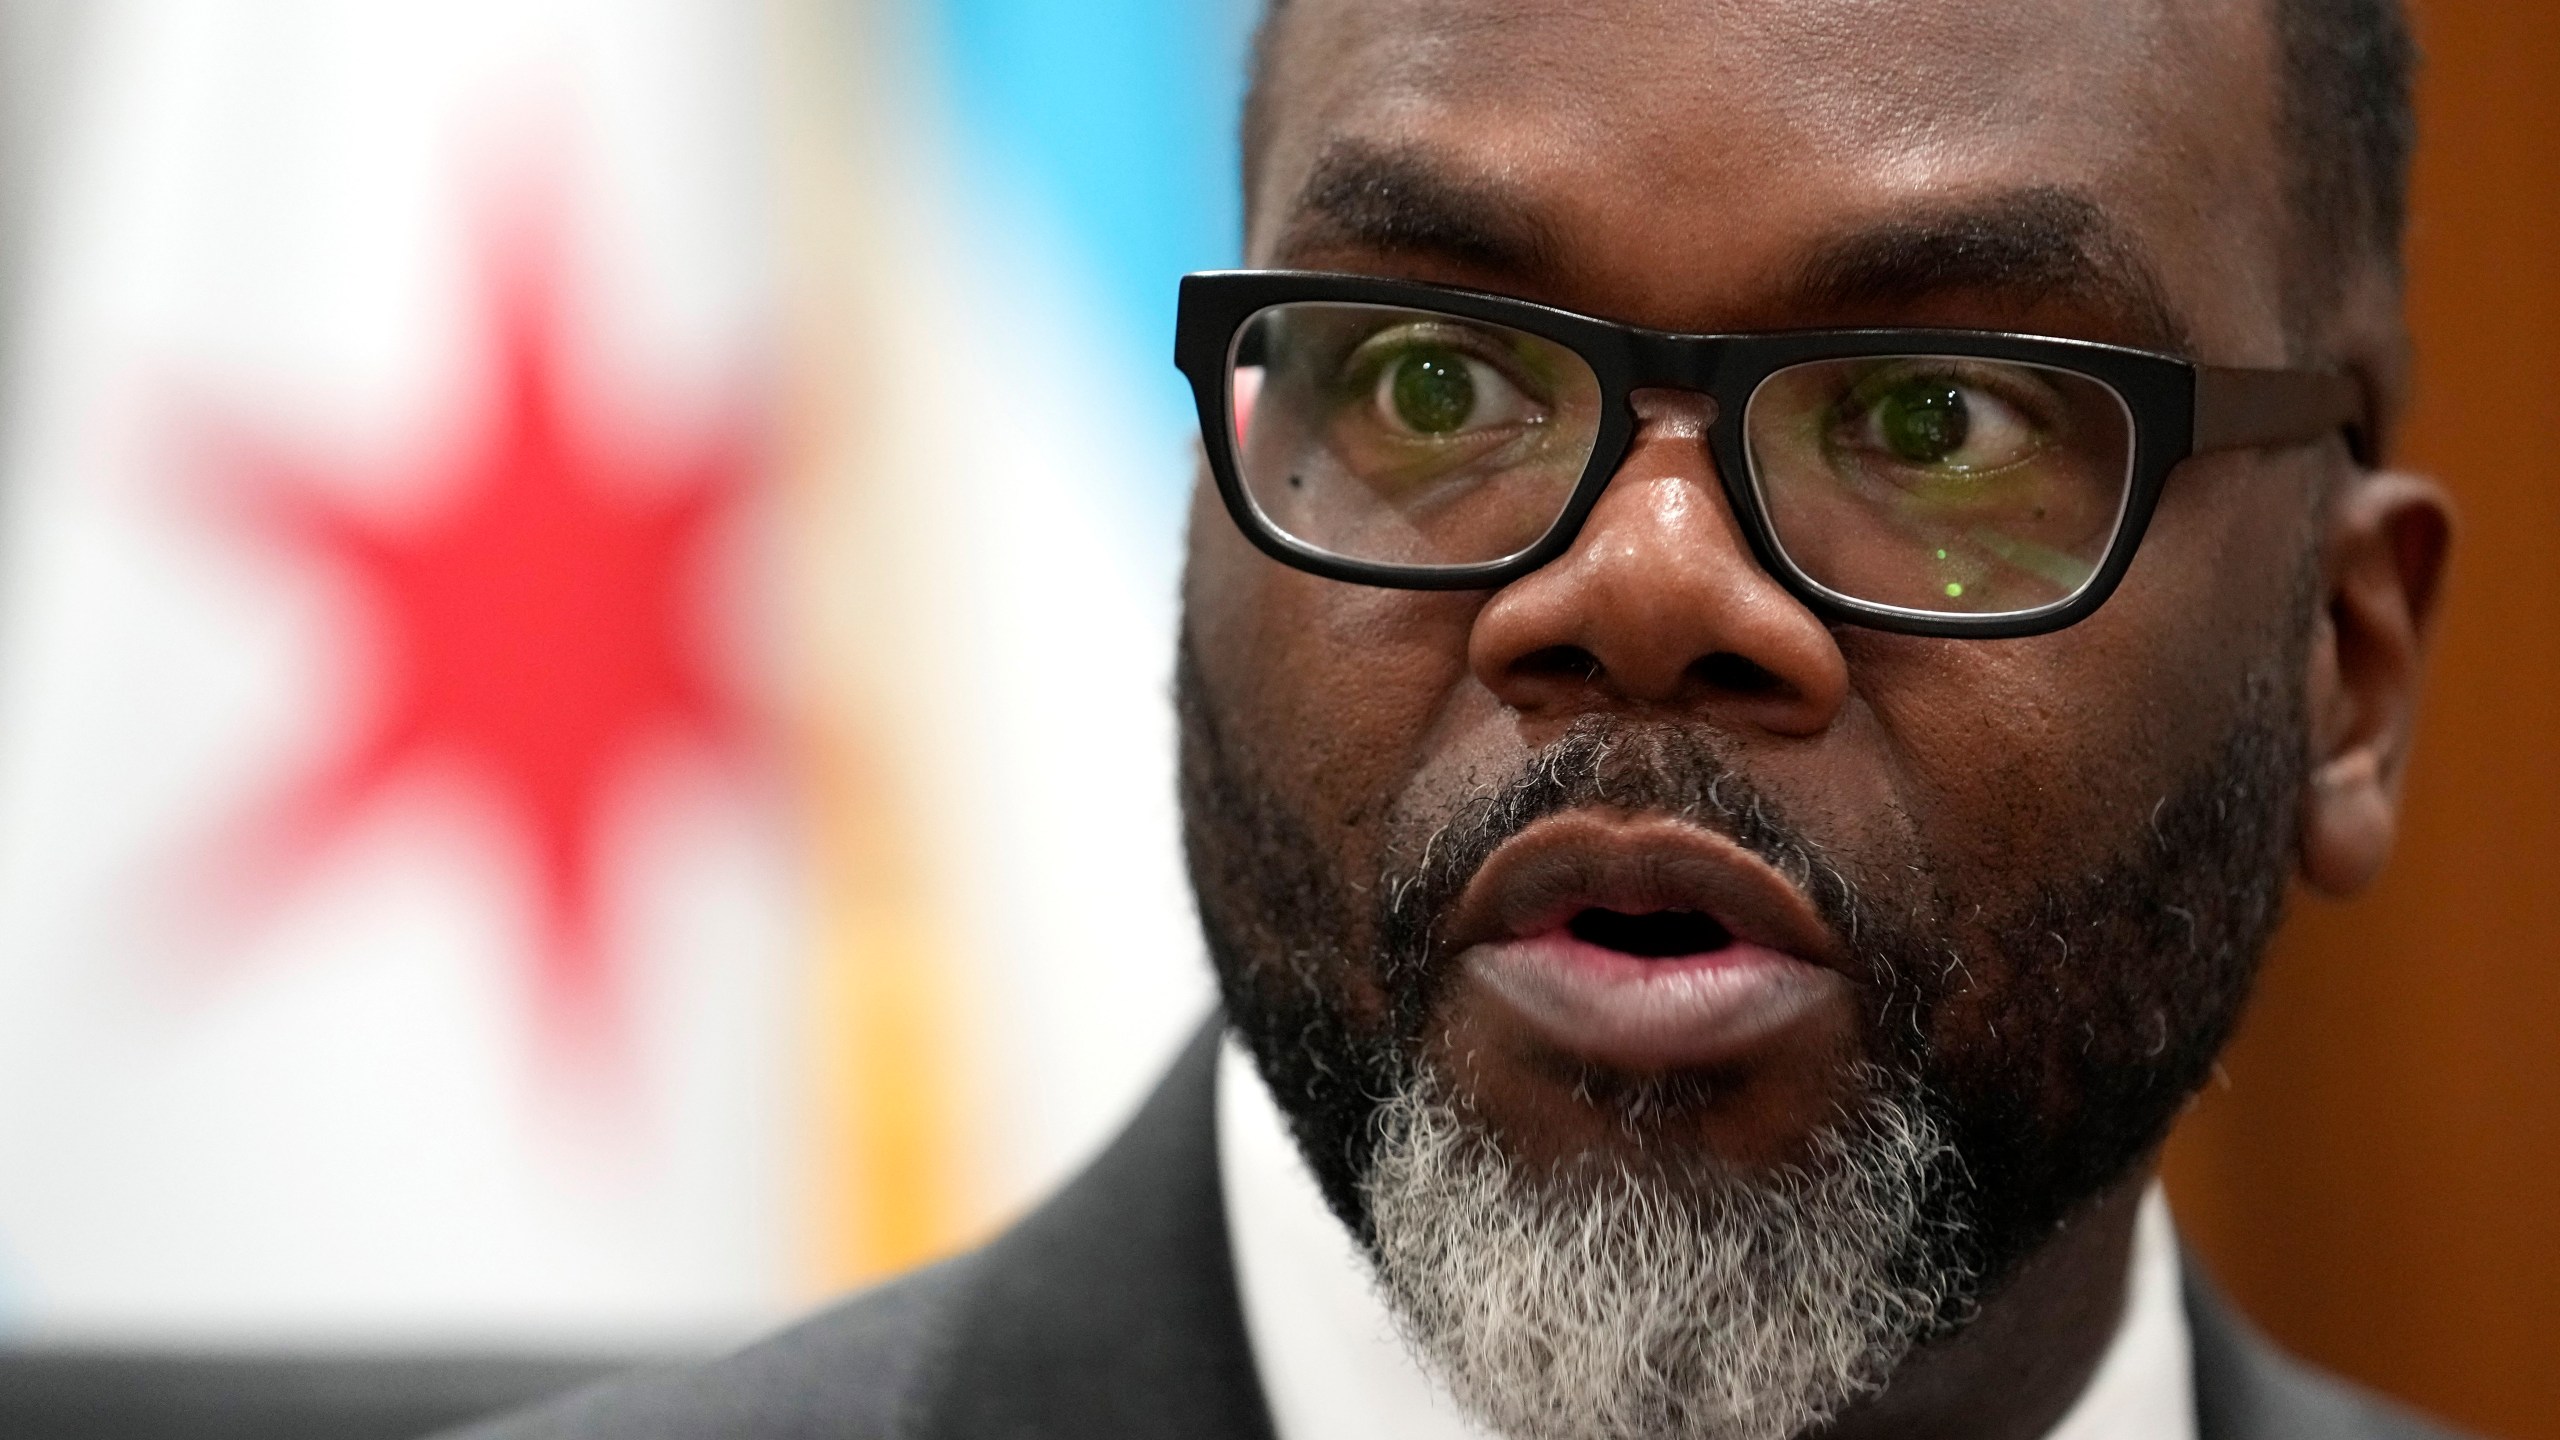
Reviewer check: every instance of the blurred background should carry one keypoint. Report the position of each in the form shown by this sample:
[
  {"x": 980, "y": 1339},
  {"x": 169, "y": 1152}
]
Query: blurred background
[
  {"x": 586, "y": 607},
  {"x": 2377, "y": 1176},
  {"x": 431, "y": 969}
]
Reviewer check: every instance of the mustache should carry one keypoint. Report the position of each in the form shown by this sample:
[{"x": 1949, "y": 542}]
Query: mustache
[{"x": 1600, "y": 762}]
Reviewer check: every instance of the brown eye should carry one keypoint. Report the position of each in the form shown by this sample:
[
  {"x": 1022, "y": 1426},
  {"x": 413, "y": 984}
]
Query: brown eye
[
  {"x": 1431, "y": 391},
  {"x": 1438, "y": 392},
  {"x": 1923, "y": 424},
  {"x": 1942, "y": 424}
]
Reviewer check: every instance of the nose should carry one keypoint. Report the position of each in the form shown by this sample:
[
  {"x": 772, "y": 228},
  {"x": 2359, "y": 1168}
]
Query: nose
[{"x": 1660, "y": 604}]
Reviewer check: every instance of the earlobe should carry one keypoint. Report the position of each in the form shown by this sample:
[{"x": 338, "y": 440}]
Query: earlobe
[
  {"x": 2389, "y": 536},
  {"x": 2351, "y": 816}
]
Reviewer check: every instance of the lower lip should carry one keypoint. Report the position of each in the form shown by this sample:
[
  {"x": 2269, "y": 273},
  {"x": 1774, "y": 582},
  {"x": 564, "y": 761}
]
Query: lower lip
[{"x": 1635, "y": 1013}]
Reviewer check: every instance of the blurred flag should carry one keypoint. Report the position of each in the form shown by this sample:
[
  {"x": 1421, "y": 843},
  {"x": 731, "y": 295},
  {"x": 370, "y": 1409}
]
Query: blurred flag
[
  {"x": 400, "y": 901},
  {"x": 991, "y": 202},
  {"x": 586, "y": 600}
]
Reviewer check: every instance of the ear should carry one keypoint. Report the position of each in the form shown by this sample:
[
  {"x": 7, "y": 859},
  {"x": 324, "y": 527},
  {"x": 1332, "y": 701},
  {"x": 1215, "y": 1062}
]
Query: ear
[{"x": 2388, "y": 537}]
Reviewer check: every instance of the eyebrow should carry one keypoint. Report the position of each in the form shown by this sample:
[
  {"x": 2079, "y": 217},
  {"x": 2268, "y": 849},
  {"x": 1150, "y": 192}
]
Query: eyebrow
[
  {"x": 2035, "y": 243},
  {"x": 1395, "y": 202},
  {"x": 2028, "y": 244}
]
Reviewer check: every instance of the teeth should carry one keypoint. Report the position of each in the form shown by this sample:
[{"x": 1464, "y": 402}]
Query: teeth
[{"x": 1658, "y": 934}]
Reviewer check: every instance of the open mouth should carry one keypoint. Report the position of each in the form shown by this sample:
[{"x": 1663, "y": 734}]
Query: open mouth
[
  {"x": 1653, "y": 935},
  {"x": 1645, "y": 943}
]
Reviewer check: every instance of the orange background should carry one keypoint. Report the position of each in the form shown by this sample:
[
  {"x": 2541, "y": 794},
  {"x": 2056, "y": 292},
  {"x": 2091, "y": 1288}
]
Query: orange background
[{"x": 2379, "y": 1181}]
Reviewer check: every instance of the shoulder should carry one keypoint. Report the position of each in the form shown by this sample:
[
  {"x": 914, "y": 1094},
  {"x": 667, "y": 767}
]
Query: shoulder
[
  {"x": 2247, "y": 1389},
  {"x": 1110, "y": 1310},
  {"x": 854, "y": 1372}
]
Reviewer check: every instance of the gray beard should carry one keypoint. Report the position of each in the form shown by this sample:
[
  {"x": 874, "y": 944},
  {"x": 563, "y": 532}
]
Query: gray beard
[{"x": 1611, "y": 1302}]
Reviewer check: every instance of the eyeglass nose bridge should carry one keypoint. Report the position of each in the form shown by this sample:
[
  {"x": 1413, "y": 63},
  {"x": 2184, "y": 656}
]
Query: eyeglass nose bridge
[
  {"x": 1673, "y": 412},
  {"x": 1696, "y": 364}
]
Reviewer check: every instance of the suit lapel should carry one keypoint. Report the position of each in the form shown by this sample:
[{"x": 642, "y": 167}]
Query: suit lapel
[
  {"x": 2235, "y": 1393},
  {"x": 1112, "y": 1311},
  {"x": 2246, "y": 1389}
]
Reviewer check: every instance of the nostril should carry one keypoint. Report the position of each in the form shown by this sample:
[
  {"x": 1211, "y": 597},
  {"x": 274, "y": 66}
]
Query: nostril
[
  {"x": 1735, "y": 674},
  {"x": 1561, "y": 662}
]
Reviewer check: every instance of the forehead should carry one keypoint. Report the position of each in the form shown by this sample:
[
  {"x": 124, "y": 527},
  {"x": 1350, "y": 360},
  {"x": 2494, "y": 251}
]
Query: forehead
[{"x": 1673, "y": 161}]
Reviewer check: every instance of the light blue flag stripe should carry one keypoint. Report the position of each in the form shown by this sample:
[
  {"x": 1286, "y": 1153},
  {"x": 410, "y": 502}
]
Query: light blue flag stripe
[{"x": 1118, "y": 118}]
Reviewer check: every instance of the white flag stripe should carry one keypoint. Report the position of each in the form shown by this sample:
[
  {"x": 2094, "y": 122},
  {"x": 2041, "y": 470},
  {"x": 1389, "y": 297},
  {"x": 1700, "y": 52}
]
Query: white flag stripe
[{"x": 334, "y": 1125}]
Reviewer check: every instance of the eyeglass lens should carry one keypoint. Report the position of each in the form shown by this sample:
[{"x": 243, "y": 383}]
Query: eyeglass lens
[
  {"x": 1405, "y": 437},
  {"x": 1940, "y": 484}
]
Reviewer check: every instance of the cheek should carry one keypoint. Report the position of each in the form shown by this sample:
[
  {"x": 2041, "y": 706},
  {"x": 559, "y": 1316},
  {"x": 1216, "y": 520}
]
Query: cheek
[
  {"x": 1331, "y": 688},
  {"x": 2047, "y": 756},
  {"x": 2031, "y": 766},
  {"x": 2010, "y": 769}
]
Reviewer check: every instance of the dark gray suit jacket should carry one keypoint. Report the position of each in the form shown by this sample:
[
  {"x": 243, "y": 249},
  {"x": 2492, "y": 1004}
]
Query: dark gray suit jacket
[{"x": 1112, "y": 1312}]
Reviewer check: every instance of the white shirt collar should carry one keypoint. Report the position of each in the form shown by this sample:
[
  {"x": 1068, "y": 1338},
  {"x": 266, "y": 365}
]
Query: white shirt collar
[{"x": 1333, "y": 1368}]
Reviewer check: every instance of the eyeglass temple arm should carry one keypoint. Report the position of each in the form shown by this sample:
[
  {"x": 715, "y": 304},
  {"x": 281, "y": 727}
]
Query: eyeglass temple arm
[{"x": 2238, "y": 409}]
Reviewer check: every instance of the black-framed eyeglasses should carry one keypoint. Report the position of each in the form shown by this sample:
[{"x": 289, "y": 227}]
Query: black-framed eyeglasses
[{"x": 1933, "y": 482}]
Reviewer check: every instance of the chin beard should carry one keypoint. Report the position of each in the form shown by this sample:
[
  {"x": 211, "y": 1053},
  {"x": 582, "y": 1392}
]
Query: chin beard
[
  {"x": 1612, "y": 1299},
  {"x": 1666, "y": 1296}
]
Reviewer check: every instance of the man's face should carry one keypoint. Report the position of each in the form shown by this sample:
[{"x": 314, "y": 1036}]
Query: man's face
[{"x": 1636, "y": 858}]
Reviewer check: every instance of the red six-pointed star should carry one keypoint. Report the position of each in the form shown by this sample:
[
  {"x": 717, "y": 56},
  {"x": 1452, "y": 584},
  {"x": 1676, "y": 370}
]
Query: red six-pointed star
[{"x": 542, "y": 624}]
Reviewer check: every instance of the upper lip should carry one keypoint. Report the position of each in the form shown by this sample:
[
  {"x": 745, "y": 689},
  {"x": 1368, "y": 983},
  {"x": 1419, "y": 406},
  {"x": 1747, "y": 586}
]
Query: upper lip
[{"x": 1564, "y": 864}]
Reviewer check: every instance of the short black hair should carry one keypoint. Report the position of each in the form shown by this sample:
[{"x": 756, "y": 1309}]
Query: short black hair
[
  {"x": 2349, "y": 122},
  {"x": 2349, "y": 125}
]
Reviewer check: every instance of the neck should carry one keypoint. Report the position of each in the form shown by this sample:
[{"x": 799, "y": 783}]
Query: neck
[{"x": 2015, "y": 1370}]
